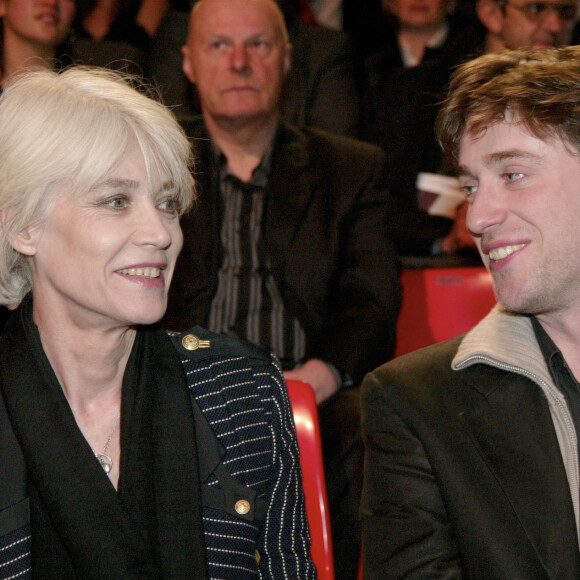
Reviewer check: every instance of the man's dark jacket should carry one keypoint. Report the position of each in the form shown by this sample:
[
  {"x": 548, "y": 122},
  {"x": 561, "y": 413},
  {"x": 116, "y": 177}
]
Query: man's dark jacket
[
  {"x": 324, "y": 231},
  {"x": 464, "y": 473}
]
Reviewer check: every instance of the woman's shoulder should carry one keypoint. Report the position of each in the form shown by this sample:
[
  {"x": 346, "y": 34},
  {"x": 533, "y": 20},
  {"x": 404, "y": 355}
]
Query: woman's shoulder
[
  {"x": 221, "y": 369},
  {"x": 198, "y": 343}
]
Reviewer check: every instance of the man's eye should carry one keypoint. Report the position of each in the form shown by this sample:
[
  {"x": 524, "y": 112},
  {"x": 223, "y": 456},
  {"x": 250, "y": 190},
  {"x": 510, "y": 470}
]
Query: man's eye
[
  {"x": 260, "y": 45},
  {"x": 536, "y": 7},
  {"x": 218, "y": 45},
  {"x": 513, "y": 176}
]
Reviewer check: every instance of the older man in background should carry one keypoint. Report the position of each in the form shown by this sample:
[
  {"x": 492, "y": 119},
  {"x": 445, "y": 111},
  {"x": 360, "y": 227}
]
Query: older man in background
[{"x": 287, "y": 247}]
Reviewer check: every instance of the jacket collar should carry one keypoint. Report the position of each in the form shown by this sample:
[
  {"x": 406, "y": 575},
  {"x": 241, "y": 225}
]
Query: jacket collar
[
  {"x": 507, "y": 343},
  {"x": 291, "y": 184}
]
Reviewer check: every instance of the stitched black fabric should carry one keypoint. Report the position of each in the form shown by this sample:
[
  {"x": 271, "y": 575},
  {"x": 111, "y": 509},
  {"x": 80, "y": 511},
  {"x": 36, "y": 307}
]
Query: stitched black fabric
[{"x": 82, "y": 528}]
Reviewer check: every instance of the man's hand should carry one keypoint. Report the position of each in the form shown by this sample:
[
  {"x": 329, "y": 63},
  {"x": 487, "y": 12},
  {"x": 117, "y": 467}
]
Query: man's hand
[{"x": 318, "y": 375}]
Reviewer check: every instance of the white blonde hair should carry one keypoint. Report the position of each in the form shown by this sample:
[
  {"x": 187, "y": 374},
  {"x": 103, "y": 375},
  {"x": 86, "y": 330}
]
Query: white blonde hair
[{"x": 73, "y": 127}]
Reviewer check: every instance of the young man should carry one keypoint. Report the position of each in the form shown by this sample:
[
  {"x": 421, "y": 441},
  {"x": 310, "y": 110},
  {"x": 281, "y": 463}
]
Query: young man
[
  {"x": 472, "y": 455},
  {"x": 287, "y": 246}
]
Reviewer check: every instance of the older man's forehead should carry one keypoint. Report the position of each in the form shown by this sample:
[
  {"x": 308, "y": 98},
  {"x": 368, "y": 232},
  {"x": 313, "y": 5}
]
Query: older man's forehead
[{"x": 223, "y": 17}]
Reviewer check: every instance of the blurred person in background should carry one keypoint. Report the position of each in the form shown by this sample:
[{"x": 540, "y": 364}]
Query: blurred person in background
[
  {"x": 117, "y": 34},
  {"x": 34, "y": 33},
  {"x": 516, "y": 24},
  {"x": 404, "y": 80}
]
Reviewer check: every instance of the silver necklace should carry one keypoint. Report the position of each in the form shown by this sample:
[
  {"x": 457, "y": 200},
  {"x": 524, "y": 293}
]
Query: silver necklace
[{"x": 104, "y": 459}]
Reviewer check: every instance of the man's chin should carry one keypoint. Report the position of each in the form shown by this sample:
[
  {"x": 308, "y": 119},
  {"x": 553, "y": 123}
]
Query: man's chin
[
  {"x": 543, "y": 45},
  {"x": 243, "y": 116}
]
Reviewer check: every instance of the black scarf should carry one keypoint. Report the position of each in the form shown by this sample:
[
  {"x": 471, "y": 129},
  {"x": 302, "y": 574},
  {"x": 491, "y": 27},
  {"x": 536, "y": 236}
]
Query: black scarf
[{"x": 81, "y": 527}]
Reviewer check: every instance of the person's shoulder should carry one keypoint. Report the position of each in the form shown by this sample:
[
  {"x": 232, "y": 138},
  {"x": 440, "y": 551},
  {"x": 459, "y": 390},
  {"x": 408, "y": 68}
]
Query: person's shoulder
[
  {"x": 466, "y": 40},
  {"x": 199, "y": 137},
  {"x": 327, "y": 143},
  {"x": 320, "y": 39},
  {"x": 193, "y": 126},
  {"x": 422, "y": 379},
  {"x": 197, "y": 343},
  {"x": 418, "y": 367}
]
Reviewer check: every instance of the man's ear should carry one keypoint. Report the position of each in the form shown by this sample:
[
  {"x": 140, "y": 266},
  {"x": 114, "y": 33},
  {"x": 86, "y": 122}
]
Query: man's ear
[
  {"x": 287, "y": 59},
  {"x": 187, "y": 68},
  {"x": 24, "y": 242},
  {"x": 490, "y": 15}
]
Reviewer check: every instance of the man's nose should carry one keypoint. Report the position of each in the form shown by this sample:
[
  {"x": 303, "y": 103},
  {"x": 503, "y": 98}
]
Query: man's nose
[
  {"x": 552, "y": 21},
  {"x": 486, "y": 211},
  {"x": 239, "y": 58}
]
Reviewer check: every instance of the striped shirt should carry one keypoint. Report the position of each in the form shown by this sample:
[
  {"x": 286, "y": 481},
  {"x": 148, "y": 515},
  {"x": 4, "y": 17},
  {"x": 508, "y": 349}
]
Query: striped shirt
[{"x": 247, "y": 303}]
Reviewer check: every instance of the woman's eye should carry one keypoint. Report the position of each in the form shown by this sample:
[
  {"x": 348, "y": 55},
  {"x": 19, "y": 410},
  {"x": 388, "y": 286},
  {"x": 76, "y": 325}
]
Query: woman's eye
[
  {"x": 115, "y": 202},
  {"x": 171, "y": 205}
]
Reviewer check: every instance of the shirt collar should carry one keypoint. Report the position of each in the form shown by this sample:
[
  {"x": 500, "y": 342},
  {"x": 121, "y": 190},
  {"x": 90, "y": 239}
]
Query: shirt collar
[
  {"x": 436, "y": 41},
  {"x": 259, "y": 175},
  {"x": 552, "y": 354}
]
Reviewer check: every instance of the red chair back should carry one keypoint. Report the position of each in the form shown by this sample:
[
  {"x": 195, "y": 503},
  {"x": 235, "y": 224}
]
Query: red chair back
[
  {"x": 440, "y": 303},
  {"x": 310, "y": 444}
]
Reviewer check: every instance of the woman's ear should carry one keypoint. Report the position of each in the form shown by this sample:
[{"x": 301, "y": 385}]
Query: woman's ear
[{"x": 24, "y": 241}]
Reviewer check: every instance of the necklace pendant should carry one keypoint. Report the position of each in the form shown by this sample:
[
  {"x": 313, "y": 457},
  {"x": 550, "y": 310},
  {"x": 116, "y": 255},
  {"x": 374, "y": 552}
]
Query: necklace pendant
[{"x": 106, "y": 462}]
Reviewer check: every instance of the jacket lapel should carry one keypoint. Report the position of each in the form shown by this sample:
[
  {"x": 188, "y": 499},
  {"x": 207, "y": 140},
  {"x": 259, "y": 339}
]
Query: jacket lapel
[
  {"x": 216, "y": 373},
  {"x": 202, "y": 224},
  {"x": 196, "y": 274},
  {"x": 291, "y": 186},
  {"x": 14, "y": 505},
  {"x": 505, "y": 424}
]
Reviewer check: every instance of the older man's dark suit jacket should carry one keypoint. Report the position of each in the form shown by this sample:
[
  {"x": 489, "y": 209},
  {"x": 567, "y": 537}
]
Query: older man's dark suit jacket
[
  {"x": 472, "y": 462},
  {"x": 324, "y": 232}
]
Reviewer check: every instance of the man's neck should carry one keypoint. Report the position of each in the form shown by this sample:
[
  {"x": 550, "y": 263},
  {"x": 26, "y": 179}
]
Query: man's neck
[
  {"x": 564, "y": 330},
  {"x": 243, "y": 142},
  {"x": 494, "y": 44},
  {"x": 422, "y": 36}
]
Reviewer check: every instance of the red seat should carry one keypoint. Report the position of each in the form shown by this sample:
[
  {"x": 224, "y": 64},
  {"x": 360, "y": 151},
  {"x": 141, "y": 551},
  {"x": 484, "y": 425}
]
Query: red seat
[
  {"x": 309, "y": 442},
  {"x": 440, "y": 303}
]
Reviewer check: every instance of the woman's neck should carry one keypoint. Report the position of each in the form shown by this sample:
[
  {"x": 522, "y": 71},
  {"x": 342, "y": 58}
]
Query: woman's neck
[
  {"x": 90, "y": 365},
  {"x": 415, "y": 40},
  {"x": 20, "y": 55},
  {"x": 88, "y": 360}
]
